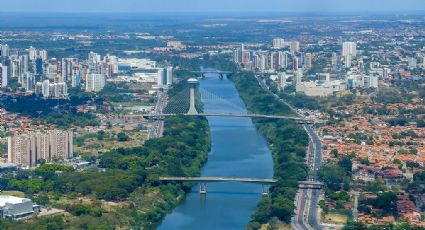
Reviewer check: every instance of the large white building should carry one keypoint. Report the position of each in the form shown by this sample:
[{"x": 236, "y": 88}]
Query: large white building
[
  {"x": 165, "y": 76},
  {"x": 4, "y": 50},
  {"x": 320, "y": 88},
  {"x": 169, "y": 75},
  {"x": 349, "y": 49},
  {"x": 161, "y": 77},
  {"x": 295, "y": 46},
  {"x": 136, "y": 63},
  {"x": 3, "y": 76},
  {"x": 32, "y": 53},
  {"x": 51, "y": 90},
  {"x": 95, "y": 82},
  {"x": 362, "y": 81},
  {"x": 278, "y": 43},
  {"x": 12, "y": 207},
  {"x": 282, "y": 77}
]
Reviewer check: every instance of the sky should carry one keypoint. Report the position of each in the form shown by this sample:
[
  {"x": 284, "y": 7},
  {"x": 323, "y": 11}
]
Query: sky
[{"x": 210, "y": 5}]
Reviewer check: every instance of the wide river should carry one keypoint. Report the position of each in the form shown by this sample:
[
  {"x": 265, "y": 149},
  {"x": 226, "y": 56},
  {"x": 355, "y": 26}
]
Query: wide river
[{"x": 238, "y": 150}]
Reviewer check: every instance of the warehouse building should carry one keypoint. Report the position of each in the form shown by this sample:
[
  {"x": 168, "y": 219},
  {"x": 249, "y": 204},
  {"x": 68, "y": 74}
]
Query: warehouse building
[{"x": 12, "y": 207}]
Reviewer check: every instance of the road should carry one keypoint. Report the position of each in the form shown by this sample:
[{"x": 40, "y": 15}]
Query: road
[
  {"x": 157, "y": 128},
  {"x": 307, "y": 200}
]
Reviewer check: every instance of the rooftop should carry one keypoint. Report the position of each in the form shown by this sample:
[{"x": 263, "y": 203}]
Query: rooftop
[{"x": 11, "y": 200}]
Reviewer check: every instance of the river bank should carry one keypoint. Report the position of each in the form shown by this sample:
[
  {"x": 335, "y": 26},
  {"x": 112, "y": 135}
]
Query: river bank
[{"x": 288, "y": 143}]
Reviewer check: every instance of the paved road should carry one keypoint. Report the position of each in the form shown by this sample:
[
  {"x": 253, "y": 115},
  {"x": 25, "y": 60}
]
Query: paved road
[
  {"x": 157, "y": 128},
  {"x": 308, "y": 200}
]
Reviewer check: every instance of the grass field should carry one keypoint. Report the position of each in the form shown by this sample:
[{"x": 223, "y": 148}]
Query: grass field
[
  {"x": 92, "y": 145},
  {"x": 336, "y": 218},
  {"x": 12, "y": 193}
]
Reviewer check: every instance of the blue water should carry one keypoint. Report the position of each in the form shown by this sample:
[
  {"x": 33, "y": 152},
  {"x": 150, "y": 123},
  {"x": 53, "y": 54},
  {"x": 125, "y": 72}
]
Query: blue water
[{"x": 238, "y": 150}]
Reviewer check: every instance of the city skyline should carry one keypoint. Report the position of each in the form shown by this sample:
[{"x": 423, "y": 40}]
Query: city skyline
[{"x": 135, "y": 6}]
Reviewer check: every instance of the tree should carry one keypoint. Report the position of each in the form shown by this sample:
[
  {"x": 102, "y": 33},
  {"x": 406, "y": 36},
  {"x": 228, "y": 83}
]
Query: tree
[
  {"x": 334, "y": 152},
  {"x": 101, "y": 135},
  {"x": 346, "y": 164},
  {"x": 333, "y": 176},
  {"x": 122, "y": 137}
]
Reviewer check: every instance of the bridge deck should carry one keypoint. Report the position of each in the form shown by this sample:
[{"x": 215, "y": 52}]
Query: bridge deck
[
  {"x": 230, "y": 115},
  {"x": 218, "y": 179},
  {"x": 212, "y": 71}
]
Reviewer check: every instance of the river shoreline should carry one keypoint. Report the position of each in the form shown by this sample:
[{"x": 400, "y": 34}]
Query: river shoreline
[{"x": 238, "y": 150}]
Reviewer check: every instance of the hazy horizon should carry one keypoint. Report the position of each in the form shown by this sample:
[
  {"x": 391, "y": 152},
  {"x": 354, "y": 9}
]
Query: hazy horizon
[{"x": 212, "y": 6}]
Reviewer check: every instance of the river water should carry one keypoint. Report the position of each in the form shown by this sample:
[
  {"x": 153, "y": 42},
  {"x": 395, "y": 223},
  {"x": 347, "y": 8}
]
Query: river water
[{"x": 238, "y": 150}]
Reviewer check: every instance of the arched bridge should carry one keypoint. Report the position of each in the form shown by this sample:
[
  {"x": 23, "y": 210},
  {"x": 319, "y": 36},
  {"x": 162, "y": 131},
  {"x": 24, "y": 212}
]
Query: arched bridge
[{"x": 203, "y": 180}]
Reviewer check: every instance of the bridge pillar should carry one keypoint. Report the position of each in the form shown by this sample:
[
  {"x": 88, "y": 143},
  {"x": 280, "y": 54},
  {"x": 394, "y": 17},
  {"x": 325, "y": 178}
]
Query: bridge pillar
[
  {"x": 221, "y": 76},
  {"x": 265, "y": 190},
  {"x": 193, "y": 84},
  {"x": 203, "y": 188}
]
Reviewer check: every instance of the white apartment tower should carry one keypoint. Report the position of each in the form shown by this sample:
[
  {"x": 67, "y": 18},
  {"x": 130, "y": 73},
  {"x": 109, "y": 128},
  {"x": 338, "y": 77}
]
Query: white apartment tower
[
  {"x": 169, "y": 75},
  {"x": 3, "y": 76},
  {"x": 95, "y": 82},
  {"x": 349, "y": 49},
  {"x": 278, "y": 43}
]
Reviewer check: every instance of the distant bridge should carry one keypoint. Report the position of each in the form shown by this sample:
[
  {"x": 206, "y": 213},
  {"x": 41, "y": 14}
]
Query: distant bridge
[
  {"x": 299, "y": 120},
  {"x": 310, "y": 185},
  {"x": 203, "y": 180},
  {"x": 212, "y": 72},
  {"x": 219, "y": 179},
  {"x": 217, "y": 72}
]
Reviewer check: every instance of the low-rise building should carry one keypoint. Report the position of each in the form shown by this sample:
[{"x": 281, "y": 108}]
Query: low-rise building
[{"x": 12, "y": 207}]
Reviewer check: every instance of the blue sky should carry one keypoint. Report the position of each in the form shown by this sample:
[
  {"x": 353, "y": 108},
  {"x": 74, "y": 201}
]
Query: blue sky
[{"x": 209, "y": 5}]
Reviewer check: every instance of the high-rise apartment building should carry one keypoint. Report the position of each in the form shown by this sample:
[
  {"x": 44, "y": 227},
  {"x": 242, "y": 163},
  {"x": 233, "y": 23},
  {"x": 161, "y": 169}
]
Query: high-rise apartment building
[
  {"x": 347, "y": 61},
  {"x": 334, "y": 59},
  {"x": 3, "y": 76},
  {"x": 161, "y": 77},
  {"x": 95, "y": 82},
  {"x": 309, "y": 60},
  {"x": 169, "y": 75},
  {"x": 32, "y": 53},
  {"x": 295, "y": 63},
  {"x": 349, "y": 48},
  {"x": 278, "y": 43},
  {"x": 28, "y": 81},
  {"x": 4, "y": 50},
  {"x": 27, "y": 149},
  {"x": 42, "y": 54},
  {"x": 295, "y": 46}
]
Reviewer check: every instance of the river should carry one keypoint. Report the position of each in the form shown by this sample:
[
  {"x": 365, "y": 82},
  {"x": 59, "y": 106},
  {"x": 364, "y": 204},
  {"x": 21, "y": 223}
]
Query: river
[{"x": 238, "y": 150}]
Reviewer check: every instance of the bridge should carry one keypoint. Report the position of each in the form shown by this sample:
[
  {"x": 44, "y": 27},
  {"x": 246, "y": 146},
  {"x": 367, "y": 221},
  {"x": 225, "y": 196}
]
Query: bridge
[
  {"x": 219, "y": 73},
  {"x": 188, "y": 103},
  {"x": 203, "y": 180},
  {"x": 297, "y": 119},
  {"x": 310, "y": 185}
]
